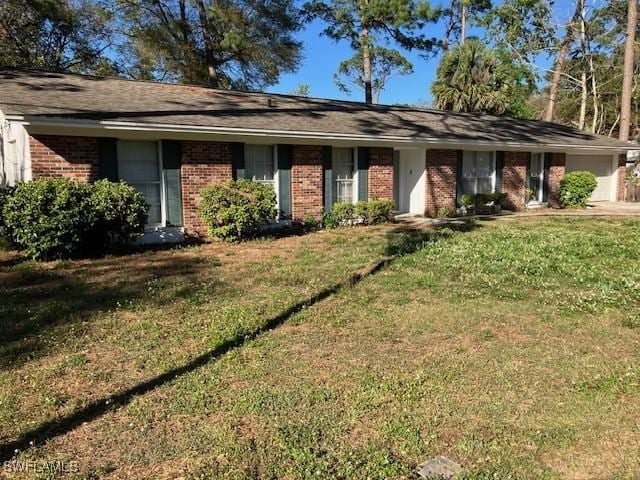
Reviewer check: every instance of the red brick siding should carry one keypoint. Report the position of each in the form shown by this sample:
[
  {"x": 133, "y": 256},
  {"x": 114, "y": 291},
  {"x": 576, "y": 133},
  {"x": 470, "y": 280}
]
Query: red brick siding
[
  {"x": 622, "y": 171},
  {"x": 380, "y": 173},
  {"x": 514, "y": 178},
  {"x": 441, "y": 180},
  {"x": 556, "y": 172},
  {"x": 64, "y": 156},
  {"x": 306, "y": 181},
  {"x": 203, "y": 163}
]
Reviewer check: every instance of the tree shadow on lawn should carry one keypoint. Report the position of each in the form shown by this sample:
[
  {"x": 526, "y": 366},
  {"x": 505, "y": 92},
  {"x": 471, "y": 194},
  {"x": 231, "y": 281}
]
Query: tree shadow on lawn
[
  {"x": 401, "y": 240},
  {"x": 41, "y": 305},
  {"x": 408, "y": 239}
]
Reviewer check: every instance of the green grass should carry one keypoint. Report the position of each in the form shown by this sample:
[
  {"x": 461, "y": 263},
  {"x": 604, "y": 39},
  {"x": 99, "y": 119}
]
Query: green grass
[{"x": 512, "y": 348}]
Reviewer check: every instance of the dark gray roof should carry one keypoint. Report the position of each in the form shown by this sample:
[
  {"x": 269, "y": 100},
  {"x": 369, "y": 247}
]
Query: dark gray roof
[{"x": 67, "y": 96}]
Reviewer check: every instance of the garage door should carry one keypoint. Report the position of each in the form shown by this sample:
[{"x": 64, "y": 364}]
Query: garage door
[{"x": 600, "y": 166}]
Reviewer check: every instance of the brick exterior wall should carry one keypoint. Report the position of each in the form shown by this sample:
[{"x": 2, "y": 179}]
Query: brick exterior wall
[
  {"x": 556, "y": 172},
  {"x": 203, "y": 163},
  {"x": 64, "y": 156},
  {"x": 306, "y": 181},
  {"x": 514, "y": 179},
  {"x": 380, "y": 173},
  {"x": 622, "y": 171},
  {"x": 441, "y": 180}
]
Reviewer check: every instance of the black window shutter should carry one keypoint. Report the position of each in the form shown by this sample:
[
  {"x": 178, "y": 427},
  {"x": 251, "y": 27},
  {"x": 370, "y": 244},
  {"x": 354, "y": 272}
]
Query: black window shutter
[
  {"x": 108, "y": 158},
  {"x": 171, "y": 163},
  {"x": 459, "y": 178},
  {"x": 499, "y": 167},
  {"x": 363, "y": 173},
  {"x": 528, "y": 172},
  {"x": 284, "y": 180},
  {"x": 237, "y": 160},
  {"x": 328, "y": 179},
  {"x": 545, "y": 181},
  {"x": 171, "y": 154}
]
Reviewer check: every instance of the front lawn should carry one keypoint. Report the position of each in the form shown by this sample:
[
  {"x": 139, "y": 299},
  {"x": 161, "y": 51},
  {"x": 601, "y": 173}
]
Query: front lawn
[{"x": 512, "y": 348}]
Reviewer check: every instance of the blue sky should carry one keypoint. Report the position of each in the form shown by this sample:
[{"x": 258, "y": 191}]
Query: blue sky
[{"x": 322, "y": 56}]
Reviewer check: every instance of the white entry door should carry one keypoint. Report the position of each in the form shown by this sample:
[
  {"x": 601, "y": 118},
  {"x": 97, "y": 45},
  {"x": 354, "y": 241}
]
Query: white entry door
[{"x": 412, "y": 181}]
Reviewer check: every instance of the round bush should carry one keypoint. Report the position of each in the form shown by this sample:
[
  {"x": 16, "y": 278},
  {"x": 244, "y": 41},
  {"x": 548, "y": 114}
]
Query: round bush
[
  {"x": 234, "y": 209},
  {"x": 119, "y": 212},
  {"x": 576, "y": 189},
  {"x": 59, "y": 217},
  {"x": 48, "y": 218}
]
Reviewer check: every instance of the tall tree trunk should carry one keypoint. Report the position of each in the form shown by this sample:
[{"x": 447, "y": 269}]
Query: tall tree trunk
[
  {"x": 555, "y": 80},
  {"x": 627, "y": 79},
  {"x": 594, "y": 94},
  {"x": 463, "y": 24},
  {"x": 212, "y": 73},
  {"x": 583, "y": 62},
  {"x": 366, "y": 65},
  {"x": 559, "y": 66}
]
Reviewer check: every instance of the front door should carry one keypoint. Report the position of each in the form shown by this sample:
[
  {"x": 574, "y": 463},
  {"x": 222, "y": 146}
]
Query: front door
[{"x": 412, "y": 164}]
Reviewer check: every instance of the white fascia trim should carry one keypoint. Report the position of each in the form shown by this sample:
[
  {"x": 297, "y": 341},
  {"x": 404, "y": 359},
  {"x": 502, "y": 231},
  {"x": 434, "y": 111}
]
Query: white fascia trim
[{"x": 300, "y": 134}]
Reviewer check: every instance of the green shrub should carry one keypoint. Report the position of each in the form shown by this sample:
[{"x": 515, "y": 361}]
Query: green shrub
[
  {"x": 576, "y": 189},
  {"x": 234, "y": 209},
  {"x": 311, "y": 223},
  {"x": 372, "y": 212},
  {"x": 5, "y": 193},
  {"x": 481, "y": 199},
  {"x": 446, "y": 212},
  {"x": 342, "y": 213},
  {"x": 59, "y": 217},
  {"x": 379, "y": 211},
  {"x": 120, "y": 212},
  {"x": 49, "y": 218}
]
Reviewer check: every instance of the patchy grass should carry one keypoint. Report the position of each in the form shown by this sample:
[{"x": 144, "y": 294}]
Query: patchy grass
[{"x": 512, "y": 348}]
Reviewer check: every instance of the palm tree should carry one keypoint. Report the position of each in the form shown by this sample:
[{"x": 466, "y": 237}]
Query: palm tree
[{"x": 470, "y": 79}]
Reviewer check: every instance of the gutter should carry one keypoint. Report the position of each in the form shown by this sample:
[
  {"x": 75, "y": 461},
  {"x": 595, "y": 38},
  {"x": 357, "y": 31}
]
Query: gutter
[{"x": 41, "y": 125}]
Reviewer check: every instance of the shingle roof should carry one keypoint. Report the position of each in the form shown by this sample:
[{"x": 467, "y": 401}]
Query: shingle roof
[{"x": 67, "y": 96}]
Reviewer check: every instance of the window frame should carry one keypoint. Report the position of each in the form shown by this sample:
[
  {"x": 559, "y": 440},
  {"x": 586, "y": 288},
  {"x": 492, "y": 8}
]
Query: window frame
[
  {"x": 493, "y": 166},
  {"x": 354, "y": 174},
  {"x": 161, "y": 179},
  {"x": 540, "y": 155},
  {"x": 276, "y": 176}
]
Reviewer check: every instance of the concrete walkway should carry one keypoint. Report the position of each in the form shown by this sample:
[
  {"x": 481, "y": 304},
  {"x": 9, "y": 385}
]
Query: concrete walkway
[{"x": 595, "y": 209}]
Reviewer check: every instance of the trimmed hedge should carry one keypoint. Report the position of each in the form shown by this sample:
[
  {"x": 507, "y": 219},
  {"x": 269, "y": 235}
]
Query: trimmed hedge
[
  {"x": 235, "y": 209},
  {"x": 576, "y": 189},
  {"x": 482, "y": 199},
  {"x": 59, "y": 217},
  {"x": 372, "y": 212}
]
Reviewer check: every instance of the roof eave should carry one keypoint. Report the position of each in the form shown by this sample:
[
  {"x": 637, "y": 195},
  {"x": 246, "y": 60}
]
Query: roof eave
[{"x": 102, "y": 128}]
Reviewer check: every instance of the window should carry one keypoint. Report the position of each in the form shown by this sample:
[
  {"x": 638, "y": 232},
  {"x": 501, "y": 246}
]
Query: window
[
  {"x": 478, "y": 170},
  {"x": 342, "y": 166},
  {"x": 536, "y": 173},
  {"x": 259, "y": 164},
  {"x": 138, "y": 165}
]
